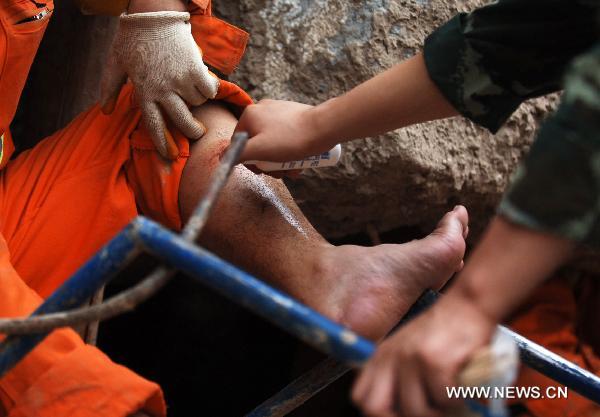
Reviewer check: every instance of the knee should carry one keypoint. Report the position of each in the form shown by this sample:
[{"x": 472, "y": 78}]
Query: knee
[{"x": 206, "y": 152}]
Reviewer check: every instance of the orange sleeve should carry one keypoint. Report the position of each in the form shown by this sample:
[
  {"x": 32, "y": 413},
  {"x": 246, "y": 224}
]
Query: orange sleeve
[{"x": 62, "y": 376}]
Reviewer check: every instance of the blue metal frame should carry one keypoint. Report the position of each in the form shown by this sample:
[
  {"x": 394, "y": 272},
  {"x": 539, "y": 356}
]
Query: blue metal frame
[
  {"x": 275, "y": 306},
  {"x": 74, "y": 292}
]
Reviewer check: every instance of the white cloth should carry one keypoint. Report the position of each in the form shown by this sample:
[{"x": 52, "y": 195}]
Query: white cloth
[{"x": 158, "y": 53}]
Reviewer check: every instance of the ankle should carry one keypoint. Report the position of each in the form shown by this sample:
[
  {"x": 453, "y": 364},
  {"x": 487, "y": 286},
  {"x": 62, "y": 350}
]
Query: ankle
[
  {"x": 319, "y": 272},
  {"x": 321, "y": 261}
]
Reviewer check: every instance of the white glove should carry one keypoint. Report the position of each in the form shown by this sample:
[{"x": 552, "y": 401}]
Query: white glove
[{"x": 157, "y": 51}]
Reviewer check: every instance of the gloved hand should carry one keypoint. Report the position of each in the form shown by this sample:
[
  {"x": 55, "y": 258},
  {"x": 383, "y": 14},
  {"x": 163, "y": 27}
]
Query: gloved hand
[{"x": 158, "y": 53}]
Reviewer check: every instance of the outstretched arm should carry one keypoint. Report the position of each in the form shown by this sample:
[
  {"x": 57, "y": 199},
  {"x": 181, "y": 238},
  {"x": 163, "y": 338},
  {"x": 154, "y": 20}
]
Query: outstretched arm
[
  {"x": 411, "y": 370},
  {"x": 398, "y": 97},
  {"x": 481, "y": 65},
  {"x": 551, "y": 204}
]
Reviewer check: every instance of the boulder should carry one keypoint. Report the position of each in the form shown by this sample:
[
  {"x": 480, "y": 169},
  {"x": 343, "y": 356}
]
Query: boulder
[{"x": 309, "y": 51}]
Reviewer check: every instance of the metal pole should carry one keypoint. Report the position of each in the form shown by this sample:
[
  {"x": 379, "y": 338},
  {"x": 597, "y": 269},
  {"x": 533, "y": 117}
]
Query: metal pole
[
  {"x": 244, "y": 289},
  {"x": 100, "y": 269},
  {"x": 535, "y": 356},
  {"x": 324, "y": 374},
  {"x": 79, "y": 288},
  {"x": 301, "y": 389},
  {"x": 319, "y": 331},
  {"x": 267, "y": 302},
  {"x": 91, "y": 333}
]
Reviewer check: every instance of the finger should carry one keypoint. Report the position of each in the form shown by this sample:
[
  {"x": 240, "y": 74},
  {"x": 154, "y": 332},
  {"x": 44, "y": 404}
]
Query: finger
[
  {"x": 380, "y": 400},
  {"x": 255, "y": 170},
  {"x": 275, "y": 174},
  {"x": 292, "y": 174},
  {"x": 162, "y": 138},
  {"x": 182, "y": 118},
  {"x": 436, "y": 382},
  {"x": 362, "y": 386},
  {"x": 205, "y": 82},
  {"x": 242, "y": 124},
  {"x": 192, "y": 96},
  {"x": 254, "y": 150},
  {"x": 113, "y": 80},
  {"x": 412, "y": 397},
  {"x": 365, "y": 379}
]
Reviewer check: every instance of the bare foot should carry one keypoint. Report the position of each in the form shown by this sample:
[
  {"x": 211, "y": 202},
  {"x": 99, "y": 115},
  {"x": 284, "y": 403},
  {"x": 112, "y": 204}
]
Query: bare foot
[{"x": 370, "y": 289}]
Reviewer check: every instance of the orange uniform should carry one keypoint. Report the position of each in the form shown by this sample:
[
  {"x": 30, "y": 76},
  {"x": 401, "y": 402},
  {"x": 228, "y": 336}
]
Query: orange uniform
[
  {"x": 61, "y": 201},
  {"x": 553, "y": 317}
]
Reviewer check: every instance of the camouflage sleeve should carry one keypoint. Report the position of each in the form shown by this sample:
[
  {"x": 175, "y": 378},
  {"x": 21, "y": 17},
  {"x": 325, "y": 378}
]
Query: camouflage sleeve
[
  {"x": 557, "y": 187},
  {"x": 487, "y": 62}
]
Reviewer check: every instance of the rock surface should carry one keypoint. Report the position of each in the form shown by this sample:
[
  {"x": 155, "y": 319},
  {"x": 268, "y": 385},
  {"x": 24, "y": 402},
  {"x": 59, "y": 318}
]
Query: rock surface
[{"x": 311, "y": 50}]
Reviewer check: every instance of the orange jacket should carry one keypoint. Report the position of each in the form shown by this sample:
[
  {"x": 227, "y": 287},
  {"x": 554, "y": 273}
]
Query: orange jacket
[{"x": 63, "y": 376}]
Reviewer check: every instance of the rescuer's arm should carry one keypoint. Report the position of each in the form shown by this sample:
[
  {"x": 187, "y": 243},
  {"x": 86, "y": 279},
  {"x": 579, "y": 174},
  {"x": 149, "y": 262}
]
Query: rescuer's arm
[
  {"x": 551, "y": 205},
  {"x": 409, "y": 373},
  {"x": 286, "y": 131},
  {"x": 481, "y": 65}
]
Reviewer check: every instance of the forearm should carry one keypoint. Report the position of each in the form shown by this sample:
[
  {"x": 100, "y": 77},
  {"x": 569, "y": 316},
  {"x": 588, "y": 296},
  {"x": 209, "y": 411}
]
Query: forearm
[
  {"x": 507, "y": 265},
  {"x": 401, "y": 96},
  {"x": 116, "y": 7},
  {"x": 145, "y": 6}
]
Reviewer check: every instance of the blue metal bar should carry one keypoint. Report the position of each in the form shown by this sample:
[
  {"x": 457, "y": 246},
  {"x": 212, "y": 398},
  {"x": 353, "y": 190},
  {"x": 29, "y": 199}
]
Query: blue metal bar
[
  {"x": 96, "y": 272},
  {"x": 324, "y": 374},
  {"x": 317, "y": 330},
  {"x": 535, "y": 356},
  {"x": 254, "y": 294},
  {"x": 269, "y": 303},
  {"x": 557, "y": 368},
  {"x": 74, "y": 292}
]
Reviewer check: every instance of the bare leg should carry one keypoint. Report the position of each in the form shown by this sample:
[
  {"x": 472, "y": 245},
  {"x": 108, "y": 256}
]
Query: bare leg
[{"x": 257, "y": 226}]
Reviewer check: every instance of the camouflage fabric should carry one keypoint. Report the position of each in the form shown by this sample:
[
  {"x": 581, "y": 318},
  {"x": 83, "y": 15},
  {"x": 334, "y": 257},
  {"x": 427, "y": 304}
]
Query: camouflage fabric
[
  {"x": 488, "y": 62},
  {"x": 557, "y": 187}
]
